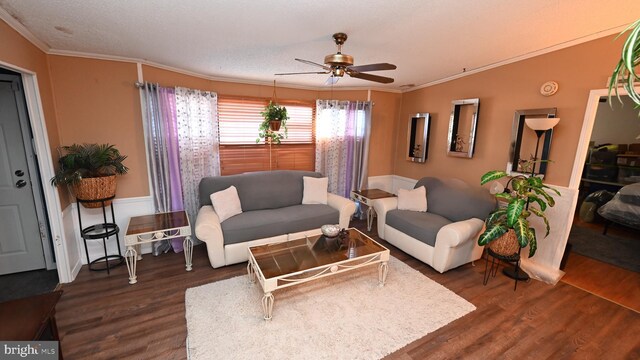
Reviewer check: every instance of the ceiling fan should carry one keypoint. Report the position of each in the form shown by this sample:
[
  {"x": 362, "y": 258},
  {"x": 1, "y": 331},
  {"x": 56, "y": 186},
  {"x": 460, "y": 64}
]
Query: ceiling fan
[{"x": 339, "y": 64}]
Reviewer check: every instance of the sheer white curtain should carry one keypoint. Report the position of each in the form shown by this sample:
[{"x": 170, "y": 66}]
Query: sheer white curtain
[
  {"x": 197, "y": 117},
  {"x": 343, "y": 129}
]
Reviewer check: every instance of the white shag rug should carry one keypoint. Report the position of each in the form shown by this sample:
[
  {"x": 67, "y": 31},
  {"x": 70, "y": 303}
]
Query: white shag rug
[{"x": 347, "y": 316}]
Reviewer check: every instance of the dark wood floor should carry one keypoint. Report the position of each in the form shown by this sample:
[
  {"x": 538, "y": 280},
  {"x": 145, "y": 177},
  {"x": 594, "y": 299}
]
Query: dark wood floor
[{"x": 102, "y": 317}]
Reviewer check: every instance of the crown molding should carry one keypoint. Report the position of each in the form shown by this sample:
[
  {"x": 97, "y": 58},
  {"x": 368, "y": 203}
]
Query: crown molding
[
  {"x": 566, "y": 44},
  {"x": 15, "y": 23},
  {"x": 205, "y": 76},
  {"x": 22, "y": 30}
]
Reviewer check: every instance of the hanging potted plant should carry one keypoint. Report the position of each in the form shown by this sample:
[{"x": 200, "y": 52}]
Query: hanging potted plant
[
  {"x": 89, "y": 170},
  {"x": 275, "y": 117},
  {"x": 507, "y": 228}
]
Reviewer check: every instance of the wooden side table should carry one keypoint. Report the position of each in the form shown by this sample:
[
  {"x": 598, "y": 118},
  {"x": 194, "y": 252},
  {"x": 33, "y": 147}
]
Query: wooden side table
[
  {"x": 150, "y": 228},
  {"x": 31, "y": 319},
  {"x": 368, "y": 197}
]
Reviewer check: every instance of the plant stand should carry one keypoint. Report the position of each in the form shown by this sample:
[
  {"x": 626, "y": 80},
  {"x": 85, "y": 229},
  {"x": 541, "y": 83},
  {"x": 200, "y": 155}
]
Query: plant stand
[
  {"x": 103, "y": 231},
  {"x": 496, "y": 259}
]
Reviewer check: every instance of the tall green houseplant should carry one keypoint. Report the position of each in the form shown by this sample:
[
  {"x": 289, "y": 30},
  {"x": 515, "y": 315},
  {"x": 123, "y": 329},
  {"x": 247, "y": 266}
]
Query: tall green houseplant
[
  {"x": 625, "y": 71},
  {"x": 528, "y": 196}
]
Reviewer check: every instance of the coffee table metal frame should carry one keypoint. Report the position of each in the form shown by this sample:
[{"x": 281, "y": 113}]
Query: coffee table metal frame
[
  {"x": 133, "y": 243},
  {"x": 295, "y": 278}
]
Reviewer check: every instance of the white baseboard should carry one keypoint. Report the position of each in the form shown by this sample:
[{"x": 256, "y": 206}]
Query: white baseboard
[{"x": 391, "y": 183}]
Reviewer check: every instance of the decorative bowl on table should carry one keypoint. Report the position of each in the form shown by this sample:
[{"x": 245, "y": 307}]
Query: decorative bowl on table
[{"x": 330, "y": 230}]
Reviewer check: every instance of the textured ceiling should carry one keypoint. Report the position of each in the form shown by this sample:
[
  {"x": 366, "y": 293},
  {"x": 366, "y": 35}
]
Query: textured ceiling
[{"x": 250, "y": 40}]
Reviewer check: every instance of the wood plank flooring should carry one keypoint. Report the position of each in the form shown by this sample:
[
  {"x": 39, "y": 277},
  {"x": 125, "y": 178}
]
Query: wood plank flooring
[
  {"x": 101, "y": 316},
  {"x": 605, "y": 280}
]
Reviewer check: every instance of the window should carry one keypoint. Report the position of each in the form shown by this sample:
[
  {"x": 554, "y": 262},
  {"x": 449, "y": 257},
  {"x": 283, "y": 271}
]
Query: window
[{"x": 239, "y": 119}]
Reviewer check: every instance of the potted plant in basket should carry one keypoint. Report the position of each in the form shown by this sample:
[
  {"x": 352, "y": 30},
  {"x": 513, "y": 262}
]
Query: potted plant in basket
[
  {"x": 90, "y": 171},
  {"x": 507, "y": 228},
  {"x": 275, "y": 117}
]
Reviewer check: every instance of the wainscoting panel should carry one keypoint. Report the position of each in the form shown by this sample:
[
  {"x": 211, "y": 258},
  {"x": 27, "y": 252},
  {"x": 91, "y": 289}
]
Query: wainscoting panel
[
  {"x": 123, "y": 208},
  {"x": 391, "y": 183},
  {"x": 545, "y": 265}
]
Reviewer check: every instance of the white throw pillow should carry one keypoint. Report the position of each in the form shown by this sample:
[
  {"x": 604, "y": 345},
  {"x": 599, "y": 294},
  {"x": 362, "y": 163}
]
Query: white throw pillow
[
  {"x": 315, "y": 190},
  {"x": 226, "y": 203},
  {"x": 414, "y": 200}
]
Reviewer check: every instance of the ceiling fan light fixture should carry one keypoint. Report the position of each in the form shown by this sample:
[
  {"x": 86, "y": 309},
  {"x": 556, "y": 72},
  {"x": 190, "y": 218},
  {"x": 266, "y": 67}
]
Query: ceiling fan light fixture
[{"x": 339, "y": 72}]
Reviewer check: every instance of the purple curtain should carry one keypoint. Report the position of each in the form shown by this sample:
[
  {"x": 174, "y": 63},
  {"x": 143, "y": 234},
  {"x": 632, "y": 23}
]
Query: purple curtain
[
  {"x": 342, "y": 144},
  {"x": 167, "y": 105},
  {"x": 159, "y": 105}
]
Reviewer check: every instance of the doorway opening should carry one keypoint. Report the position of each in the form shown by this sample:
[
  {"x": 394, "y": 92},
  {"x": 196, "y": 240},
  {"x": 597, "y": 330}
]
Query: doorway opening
[
  {"x": 604, "y": 255},
  {"x": 26, "y": 246}
]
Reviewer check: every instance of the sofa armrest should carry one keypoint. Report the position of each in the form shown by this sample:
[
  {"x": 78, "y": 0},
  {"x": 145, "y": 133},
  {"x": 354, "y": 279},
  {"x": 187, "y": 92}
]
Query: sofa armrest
[
  {"x": 456, "y": 244},
  {"x": 382, "y": 206},
  {"x": 345, "y": 206},
  {"x": 209, "y": 230}
]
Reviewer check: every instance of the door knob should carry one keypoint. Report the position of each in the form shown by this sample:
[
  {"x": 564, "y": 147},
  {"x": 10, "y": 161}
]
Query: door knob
[
  {"x": 19, "y": 173},
  {"x": 21, "y": 183}
]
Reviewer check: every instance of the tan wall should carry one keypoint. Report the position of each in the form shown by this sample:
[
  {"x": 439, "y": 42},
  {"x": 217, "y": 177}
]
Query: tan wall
[
  {"x": 97, "y": 103},
  {"x": 382, "y": 147},
  {"x": 503, "y": 90},
  {"x": 18, "y": 51}
]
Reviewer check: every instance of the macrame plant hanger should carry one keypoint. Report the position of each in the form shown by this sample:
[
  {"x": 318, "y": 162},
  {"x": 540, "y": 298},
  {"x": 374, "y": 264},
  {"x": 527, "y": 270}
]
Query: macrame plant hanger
[{"x": 274, "y": 99}]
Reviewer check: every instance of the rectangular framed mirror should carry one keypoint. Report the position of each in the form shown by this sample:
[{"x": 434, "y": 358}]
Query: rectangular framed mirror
[
  {"x": 524, "y": 143},
  {"x": 418, "y": 137},
  {"x": 462, "y": 127}
]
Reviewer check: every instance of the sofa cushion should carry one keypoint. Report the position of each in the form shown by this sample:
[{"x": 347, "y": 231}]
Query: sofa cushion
[
  {"x": 423, "y": 226},
  {"x": 414, "y": 200},
  {"x": 226, "y": 203},
  {"x": 314, "y": 190},
  {"x": 259, "y": 224},
  {"x": 456, "y": 200},
  {"x": 259, "y": 190}
]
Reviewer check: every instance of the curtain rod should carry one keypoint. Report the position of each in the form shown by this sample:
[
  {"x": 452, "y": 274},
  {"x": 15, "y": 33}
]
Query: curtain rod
[{"x": 141, "y": 85}]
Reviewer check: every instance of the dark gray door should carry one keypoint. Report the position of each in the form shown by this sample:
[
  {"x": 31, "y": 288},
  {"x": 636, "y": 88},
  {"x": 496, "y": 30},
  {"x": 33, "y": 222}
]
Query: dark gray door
[{"x": 20, "y": 241}]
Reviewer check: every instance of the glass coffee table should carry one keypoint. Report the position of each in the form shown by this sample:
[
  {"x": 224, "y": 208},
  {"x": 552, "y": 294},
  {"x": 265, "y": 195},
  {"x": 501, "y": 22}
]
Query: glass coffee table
[{"x": 283, "y": 264}]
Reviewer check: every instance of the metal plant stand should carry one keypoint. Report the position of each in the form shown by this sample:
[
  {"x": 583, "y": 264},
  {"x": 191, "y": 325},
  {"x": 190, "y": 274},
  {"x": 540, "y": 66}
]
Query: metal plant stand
[
  {"x": 103, "y": 231},
  {"x": 496, "y": 259}
]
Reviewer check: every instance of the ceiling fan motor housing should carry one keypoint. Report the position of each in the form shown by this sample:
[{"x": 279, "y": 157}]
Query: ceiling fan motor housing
[{"x": 338, "y": 60}]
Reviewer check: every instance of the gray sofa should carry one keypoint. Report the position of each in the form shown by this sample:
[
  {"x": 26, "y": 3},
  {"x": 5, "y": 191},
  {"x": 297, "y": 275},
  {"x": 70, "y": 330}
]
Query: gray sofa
[
  {"x": 446, "y": 235},
  {"x": 272, "y": 210}
]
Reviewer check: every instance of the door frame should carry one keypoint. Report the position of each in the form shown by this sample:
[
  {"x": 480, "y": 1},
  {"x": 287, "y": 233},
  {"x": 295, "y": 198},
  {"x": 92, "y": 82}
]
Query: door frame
[
  {"x": 585, "y": 135},
  {"x": 36, "y": 183},
  {"x": 45, "y": 165}
]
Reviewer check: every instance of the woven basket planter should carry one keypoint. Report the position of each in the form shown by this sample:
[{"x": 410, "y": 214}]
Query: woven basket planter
[
  {"x": 95, "y": 189},
  {"x": 505, "y": 245},
  {"x": 274, "y": 125}
]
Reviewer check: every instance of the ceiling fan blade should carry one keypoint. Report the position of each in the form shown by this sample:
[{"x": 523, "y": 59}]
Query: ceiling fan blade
[
  {"x": 301, "y": 73},
  {"x": 313, "y": 63},
  {"x": 372, "y": 67},
  {"x": 365, "y": 76},
  {"x": 331, "y": 80}
]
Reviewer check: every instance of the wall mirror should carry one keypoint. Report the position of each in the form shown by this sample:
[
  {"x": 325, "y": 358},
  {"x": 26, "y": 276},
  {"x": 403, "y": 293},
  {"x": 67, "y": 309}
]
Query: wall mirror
[
  {"x": 418, "y": 137},
  {"x": 462, "y": 127},
  {"x": 525, "y": 140}
]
